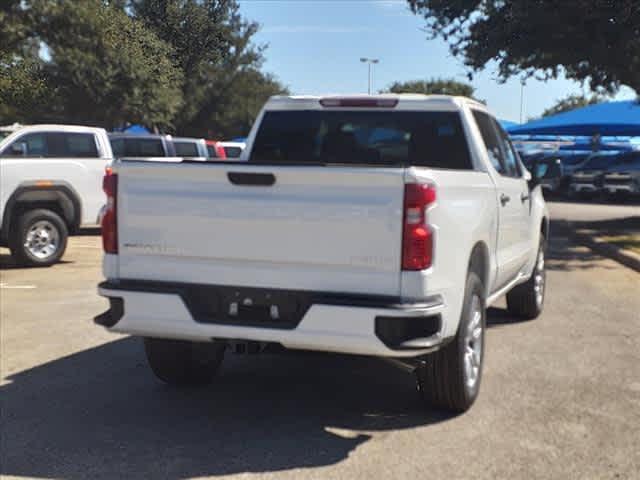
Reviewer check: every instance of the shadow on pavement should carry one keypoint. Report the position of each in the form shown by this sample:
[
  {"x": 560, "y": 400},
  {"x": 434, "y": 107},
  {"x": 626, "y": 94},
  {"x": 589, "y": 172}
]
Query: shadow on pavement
[
  {"x": 630, "y": 224},
  {"x": 8, "y": 263},
  {"x": 565, "y": 256},
  {"x": 100, "y": 414}
]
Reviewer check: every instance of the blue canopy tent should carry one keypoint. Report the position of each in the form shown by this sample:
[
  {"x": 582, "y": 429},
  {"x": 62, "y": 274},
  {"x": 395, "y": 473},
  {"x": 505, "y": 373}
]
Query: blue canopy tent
[
  {"x": 606, "y": 119},
  {"x": 507, "y": 124},
  {"x": 138, "y": 129}
]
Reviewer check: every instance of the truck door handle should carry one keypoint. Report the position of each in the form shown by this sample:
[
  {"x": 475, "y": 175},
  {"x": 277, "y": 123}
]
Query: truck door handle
[
  {"x": 253, "y": 179},
  {"x": 524, "y": 197},
  {"x": 504, "y": 199}
]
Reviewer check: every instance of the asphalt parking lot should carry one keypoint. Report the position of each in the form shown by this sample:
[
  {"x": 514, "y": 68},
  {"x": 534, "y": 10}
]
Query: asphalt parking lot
[{"x": 560, "y": 396}]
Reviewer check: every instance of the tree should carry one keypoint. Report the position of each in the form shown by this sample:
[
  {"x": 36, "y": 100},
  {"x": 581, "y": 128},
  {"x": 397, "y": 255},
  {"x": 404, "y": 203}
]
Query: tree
[
  {"x": 592, "y": 41},
  {"x": 111, "y": 69},
  {"x": 22, "y": 80},
  {"x": 200, "y": 35},
  {"x": 571, "y": 102},
  {"x": 436, "y": 86},
  {"x": 224, "y": 88},
  {"x": 101, "y": 66}
]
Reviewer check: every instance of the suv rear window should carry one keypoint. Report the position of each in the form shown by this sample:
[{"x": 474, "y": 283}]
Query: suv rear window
[
  {"x": 137, "y": 147},
  {"x": 186, "y": 149},
  {"x": 429, "y": 139}
]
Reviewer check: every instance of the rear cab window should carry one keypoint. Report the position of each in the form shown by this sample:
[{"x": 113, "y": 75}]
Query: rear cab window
[
  {"x": 186, "y": 149},
  {"x": 349, "y": 137},
  {"x": 137, "y": 147}
]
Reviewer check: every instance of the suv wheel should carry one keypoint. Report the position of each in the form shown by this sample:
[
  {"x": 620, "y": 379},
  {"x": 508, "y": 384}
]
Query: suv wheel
[
  {"x": 39, "y": 238},
  {"x": 179, "y": 362},
  {"x": 450, "y": 378},
  {"x": 527, "y": 299}
]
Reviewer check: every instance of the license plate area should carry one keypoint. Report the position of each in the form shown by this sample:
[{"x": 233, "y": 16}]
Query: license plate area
[{"x": 246, "y": 306}]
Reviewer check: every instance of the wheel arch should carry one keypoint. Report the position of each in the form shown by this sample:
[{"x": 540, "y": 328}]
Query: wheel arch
[
  {"x": 479, "y": 263},
  {"x": 544, "y": 228},
  {"x": 59, "y": 197}
]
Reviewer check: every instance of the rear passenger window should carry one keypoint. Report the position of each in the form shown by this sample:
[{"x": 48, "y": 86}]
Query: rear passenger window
[
  {"x": 510, "y": 156},
  {"x": 491, "y": 141},
  {"x": 81, "y": 145},
  {"x": 72, "y": 145}
]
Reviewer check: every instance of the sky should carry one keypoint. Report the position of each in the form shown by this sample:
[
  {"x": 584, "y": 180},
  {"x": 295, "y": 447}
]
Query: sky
[{"x": 315, "y": 46}]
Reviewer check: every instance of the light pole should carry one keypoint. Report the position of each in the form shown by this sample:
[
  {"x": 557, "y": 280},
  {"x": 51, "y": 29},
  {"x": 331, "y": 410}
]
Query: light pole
[
  {"x": 369, "y": 61},
  {"x": 522, "y": 82}
]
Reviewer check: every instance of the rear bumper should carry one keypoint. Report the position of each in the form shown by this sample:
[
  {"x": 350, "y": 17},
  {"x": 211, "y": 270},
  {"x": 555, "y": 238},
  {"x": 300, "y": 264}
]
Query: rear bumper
[{"x": 334, "y": 323}]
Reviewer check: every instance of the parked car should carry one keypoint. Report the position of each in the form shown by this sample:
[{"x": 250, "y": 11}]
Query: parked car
[
  {"x": 50, "y": 179},
  {"x": 624, "y": 177},
  {"x": 588, "y": 179},
  {"x": 571, "y": 161},
  {"x": 215, "y": 150},
  {"x": 190, "y": 147},
  {"x": 328, "y": 241},
  {"x": 233, "y": 149},
  {"x": 141, "y": 145}
]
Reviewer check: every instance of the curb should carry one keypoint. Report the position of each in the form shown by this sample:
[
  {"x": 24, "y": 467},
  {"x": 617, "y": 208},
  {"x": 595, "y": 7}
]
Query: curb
[{"x": 625, "y": 257}]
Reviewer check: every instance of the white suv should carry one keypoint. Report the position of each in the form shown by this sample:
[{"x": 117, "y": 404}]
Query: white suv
[{"x": 50, "y": 185}]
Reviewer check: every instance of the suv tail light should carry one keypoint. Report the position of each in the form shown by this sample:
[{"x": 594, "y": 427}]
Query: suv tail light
[
  {"x": 110, "y": 217},
  {"x": 417, "y": 239}
]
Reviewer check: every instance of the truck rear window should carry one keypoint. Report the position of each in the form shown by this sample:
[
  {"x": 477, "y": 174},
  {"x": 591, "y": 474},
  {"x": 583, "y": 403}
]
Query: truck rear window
[{"x": 419, "y": 138}]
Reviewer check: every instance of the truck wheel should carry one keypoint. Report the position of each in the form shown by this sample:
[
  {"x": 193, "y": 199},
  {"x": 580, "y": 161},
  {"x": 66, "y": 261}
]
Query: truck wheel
[
  {"x": 527, "y": 299},
  {"x": 179, "y": 362},
  {"x": 38, "y": 238},
  {"x": 450, "y": 377}
]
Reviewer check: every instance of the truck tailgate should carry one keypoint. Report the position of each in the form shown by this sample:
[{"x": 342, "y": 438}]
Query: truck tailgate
[{"x": 321, "y": 228}]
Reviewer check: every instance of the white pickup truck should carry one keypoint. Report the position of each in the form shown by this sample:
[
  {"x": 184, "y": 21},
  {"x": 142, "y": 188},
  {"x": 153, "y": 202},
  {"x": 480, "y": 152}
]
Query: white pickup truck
[
  {"x": 373, "y": 225},
  {"x": 50, "y": 178}
]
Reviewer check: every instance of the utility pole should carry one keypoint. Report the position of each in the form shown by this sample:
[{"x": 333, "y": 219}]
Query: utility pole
[
  {"x": 369, "y": 62},
  {"x": 522, "y": 82}
]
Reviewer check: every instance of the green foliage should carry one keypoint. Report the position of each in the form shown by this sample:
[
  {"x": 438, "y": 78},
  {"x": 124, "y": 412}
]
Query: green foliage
[
  {"x": 106, "y": 67},
  {"x": 571, "y": 102},
  {"x": 187, "y": 66},
  {"x": 23, "y": 87},
  {"x": 22, "y": 81},
  {"x": 597, "y": 42},
  {"x": 223, "y": 87},
  {"x": 435, "y": 86}
]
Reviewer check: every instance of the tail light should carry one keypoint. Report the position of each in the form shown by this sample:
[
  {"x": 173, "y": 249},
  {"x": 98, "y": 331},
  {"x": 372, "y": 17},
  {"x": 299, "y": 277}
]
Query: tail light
[
  {"x": 109, "y": 219},
  {"x": 417, "y": 240}
]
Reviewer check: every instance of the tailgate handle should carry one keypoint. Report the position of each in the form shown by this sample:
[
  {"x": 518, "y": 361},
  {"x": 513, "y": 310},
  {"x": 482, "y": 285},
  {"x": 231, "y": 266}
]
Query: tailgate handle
[{"x": 252, "y": 179}]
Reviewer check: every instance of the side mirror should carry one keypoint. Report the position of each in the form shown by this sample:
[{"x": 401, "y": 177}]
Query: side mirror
[{"x": 537, "y": 173}]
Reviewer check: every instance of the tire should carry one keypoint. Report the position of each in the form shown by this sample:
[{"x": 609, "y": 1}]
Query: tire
[
  {"x": 450, "y": 378},
  {"x": 38, "y": 238},
  {"x": 527, "y": 299},
  {"x": 178, "y": 362}
]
